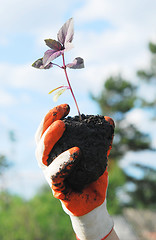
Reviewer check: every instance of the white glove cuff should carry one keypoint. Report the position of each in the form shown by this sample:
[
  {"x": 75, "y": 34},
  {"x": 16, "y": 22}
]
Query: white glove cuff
[{"x": 94, "y": 225}]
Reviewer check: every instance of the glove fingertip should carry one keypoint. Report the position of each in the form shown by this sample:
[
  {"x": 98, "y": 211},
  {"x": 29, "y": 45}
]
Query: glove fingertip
[
  {"x": 55, "y": 114},
  {"x": 74, "y": 153},
  {"x": 110, "y": 120},
  {"x": 66, "y": 109}
]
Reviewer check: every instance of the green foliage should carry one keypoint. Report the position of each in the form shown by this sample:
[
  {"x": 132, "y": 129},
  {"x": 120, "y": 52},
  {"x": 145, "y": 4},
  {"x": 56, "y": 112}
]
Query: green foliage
[
  {"x": 16, "y": 222},
  {"x": 53, "y": 222},
  {"x": 145, "y": 188},
  {"x": 149, "y": 74},
  {"x": 116, "y": 99},
  {"x": 38, "y": 219},
  {"x": 116, "y": 180},
  {"x": 149, "y": 77},
  {"x": 152, "y": 47},
  {"x": 3, "y": 164},
  {"x": 145, "y": 75}
]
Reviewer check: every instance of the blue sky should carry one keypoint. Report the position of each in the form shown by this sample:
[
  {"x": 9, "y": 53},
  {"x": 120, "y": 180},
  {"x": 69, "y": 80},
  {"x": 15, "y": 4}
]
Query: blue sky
[{"x": 111, "y": 37}]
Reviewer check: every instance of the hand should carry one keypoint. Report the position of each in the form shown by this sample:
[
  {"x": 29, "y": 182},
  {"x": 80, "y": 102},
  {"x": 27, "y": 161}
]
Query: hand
[{"x": 86, "y": 207}]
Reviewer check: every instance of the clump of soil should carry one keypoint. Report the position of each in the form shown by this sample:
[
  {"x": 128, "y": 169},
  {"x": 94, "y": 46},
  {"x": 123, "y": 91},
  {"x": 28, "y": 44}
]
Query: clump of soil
[{"x": 93, "y": 135}]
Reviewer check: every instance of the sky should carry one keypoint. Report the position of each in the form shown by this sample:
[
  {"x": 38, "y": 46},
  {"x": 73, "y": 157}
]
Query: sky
[{"x": 111, "y": 37}]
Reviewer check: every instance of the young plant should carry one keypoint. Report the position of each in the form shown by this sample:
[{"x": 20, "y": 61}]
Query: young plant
[{"x": 58, "y": 48}]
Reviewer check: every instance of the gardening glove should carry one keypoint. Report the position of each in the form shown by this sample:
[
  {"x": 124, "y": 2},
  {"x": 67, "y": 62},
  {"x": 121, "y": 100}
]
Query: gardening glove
[{"x": 87, "y": 210}]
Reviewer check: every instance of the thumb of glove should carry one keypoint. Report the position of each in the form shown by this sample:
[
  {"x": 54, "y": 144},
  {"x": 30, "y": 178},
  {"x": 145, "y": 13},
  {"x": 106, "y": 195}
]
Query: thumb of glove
[{"x": 60, "y": 168}]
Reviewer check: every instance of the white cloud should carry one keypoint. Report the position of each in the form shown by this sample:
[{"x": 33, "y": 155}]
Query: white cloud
[
  {"x": 17, "y": 15},
  {"x": 3, "y": 41},
  {"x": 32, "y": 16},
  {"x": 25, "y": 98},
  {"x": 121, "y": 13},
  {"x": 6, "y": 99},
  {"x": 4, "y": 120},
  {"x": 135, "y": 117},
  {"x": 140, "y": 119},
  {"x": 144, "y": 157},
  {"x": 26, "y": 182},
  {"x": 123, "y": 45},
  {"x": 27, "y": 77}
]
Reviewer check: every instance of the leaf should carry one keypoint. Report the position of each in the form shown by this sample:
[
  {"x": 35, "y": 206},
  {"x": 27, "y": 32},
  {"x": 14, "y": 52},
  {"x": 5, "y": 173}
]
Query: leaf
[
  {"x": 76, "y": 64},
  {"x": 152, "y": 47},
  {"x": 68, "y": 46},
  {"x": 58, "y": 94},
  {"x": 39, "y": 64},
  {"x": 50, "y": 65},
  {"x": 66, "y": 33},
  {"x": 53, "y": 44},
  {"x": 50, "y": 55},
  {"x": 56, "y": 89}
]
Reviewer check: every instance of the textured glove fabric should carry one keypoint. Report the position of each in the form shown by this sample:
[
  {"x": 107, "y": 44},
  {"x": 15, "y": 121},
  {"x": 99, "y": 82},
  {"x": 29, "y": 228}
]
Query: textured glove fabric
[{"x": 87, "y": 209}]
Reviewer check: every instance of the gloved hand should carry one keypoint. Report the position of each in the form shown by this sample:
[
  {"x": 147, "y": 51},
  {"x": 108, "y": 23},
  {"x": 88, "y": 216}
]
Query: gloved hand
[{"x": 87, "y": 210}]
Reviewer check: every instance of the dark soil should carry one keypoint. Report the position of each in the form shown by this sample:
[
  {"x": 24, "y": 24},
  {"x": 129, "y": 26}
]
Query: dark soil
[{"x": 93, "y": 135}]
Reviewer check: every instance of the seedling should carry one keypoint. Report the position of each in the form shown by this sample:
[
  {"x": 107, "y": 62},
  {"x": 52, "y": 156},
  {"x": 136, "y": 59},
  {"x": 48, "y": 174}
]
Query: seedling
[{"x": 58, "y": 48}]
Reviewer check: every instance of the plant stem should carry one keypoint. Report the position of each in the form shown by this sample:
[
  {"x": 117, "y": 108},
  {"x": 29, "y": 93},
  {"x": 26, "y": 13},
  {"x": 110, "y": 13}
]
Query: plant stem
[
  {"x": 64, "y": 67},
  {"x": 56, "y": 65}
]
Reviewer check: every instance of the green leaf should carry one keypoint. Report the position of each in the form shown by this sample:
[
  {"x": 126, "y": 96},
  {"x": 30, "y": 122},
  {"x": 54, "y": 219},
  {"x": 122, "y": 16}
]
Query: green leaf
[{"x": 152, "y": 47}]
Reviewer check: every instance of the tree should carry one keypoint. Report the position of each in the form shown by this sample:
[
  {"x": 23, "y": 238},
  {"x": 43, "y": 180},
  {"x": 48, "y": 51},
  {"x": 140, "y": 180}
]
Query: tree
[
  {"x": 144, "y": 194},
  {"x": 116, "y": 99},
  {"x": 3, "y": 164},
  {"x": 40, "y": 218},
  {"x": 150, "y": 74},
  {"x": 52, "y": 221},
  {"x": 17, "y": 221},
  {"x": 149, "y": 78}
]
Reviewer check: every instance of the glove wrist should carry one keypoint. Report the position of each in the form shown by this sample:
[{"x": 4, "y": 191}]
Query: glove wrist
[{"x": 94, "y": 225}]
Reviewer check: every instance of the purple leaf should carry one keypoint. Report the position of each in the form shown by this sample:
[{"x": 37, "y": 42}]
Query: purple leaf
[
  {"x": 68, "y": 46},
  {"x": 50, "y": 55},
  {"x": 66, "y": 33},
  {"x": 76, "y": 64},
  {"x": 39, "y": 64},
  {"x": 50, "y": 65},
  {"x": 53, "y": 44}
]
